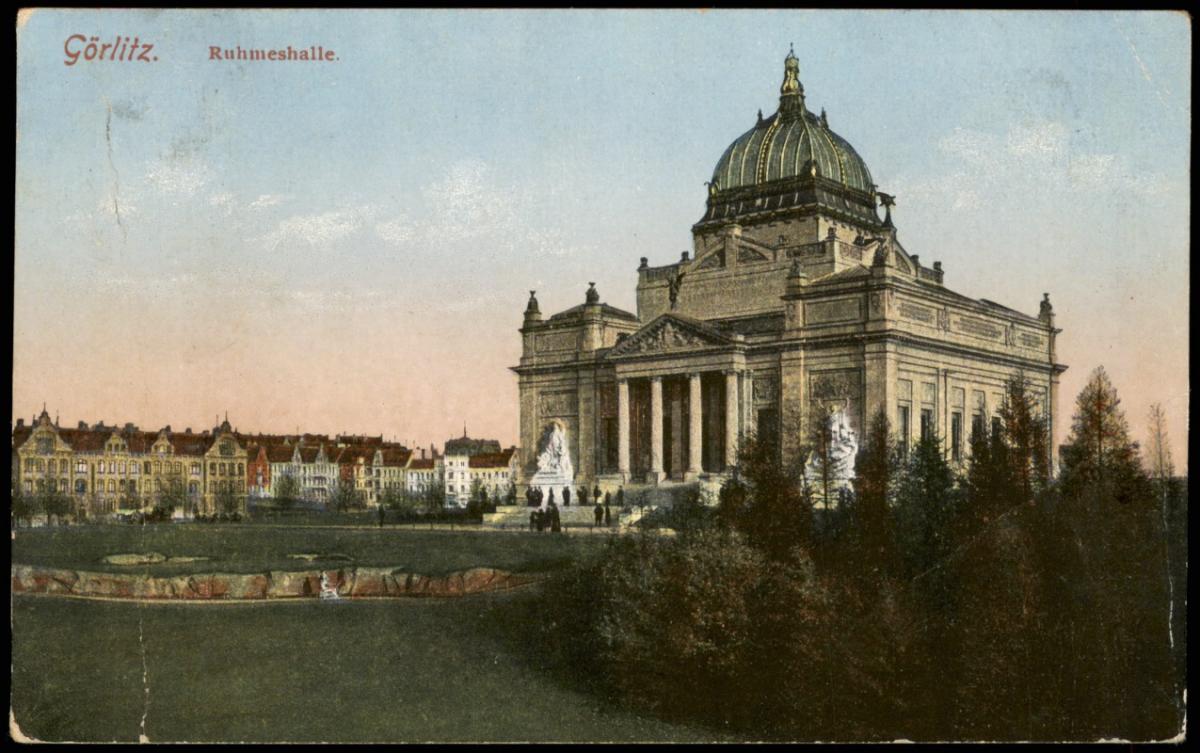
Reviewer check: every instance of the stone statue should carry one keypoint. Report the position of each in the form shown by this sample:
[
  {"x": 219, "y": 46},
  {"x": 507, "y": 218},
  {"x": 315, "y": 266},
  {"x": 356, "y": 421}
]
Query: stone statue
[
  {"x": 554, "y": 462},
  {"x": 842, "y": 450},
  {"x": 673, "y": 285}
]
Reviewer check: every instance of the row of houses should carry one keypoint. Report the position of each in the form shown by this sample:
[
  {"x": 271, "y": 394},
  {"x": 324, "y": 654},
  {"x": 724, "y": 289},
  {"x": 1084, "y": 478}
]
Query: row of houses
[{"x": 108, "y": 469}]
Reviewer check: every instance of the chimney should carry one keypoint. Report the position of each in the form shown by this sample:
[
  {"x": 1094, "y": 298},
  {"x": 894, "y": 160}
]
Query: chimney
[{"x": 21, "y": 422}]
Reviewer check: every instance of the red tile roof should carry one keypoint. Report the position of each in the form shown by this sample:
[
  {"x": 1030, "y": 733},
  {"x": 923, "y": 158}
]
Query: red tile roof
[{"x": 492, "y": 459}]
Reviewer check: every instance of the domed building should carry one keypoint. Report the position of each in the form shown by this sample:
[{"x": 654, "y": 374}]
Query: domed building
[{"x": 797, "y": 302}]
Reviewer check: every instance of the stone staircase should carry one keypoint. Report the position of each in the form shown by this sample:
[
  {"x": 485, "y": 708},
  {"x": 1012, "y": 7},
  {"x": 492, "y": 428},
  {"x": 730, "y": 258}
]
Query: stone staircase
[
  {"x": 639, "y": 501},
  {"x": 517, "y": 516}
]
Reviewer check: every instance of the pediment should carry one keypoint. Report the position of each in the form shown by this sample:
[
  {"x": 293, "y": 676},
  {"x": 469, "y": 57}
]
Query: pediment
[{"x": 670, "y": 333}]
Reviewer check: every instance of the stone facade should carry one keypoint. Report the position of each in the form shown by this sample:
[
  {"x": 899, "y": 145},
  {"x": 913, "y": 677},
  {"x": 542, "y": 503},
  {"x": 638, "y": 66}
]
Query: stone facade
[{"x": 797, "y": 299}]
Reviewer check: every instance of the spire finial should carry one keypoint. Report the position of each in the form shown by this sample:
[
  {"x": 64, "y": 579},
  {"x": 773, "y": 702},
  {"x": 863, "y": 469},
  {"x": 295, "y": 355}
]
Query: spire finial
[{"x": 791, "y": 92}]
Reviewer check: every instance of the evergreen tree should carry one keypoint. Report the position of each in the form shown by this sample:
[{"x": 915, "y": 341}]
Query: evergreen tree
[
  {"x": 1099, "y": 461},
  {"x": 875, "y": 481},
  {"x": 925, "y": 506},
  {"x": 1025, "y": 439},
  {"x": 767, "y": 501},
  {"x": 825, "y": 467}
]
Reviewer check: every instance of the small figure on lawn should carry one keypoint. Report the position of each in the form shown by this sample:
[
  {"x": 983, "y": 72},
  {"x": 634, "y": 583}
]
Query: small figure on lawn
[
  {"x": 599, "y": 514},
  {"x": 566, "y": 496}
]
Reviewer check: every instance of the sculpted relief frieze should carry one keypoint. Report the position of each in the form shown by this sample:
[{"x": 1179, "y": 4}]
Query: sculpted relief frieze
[
  {"x": 667, "y": 336},
  {"x": 766, "y": 387},
  {"x": 558, "y": 404},
  {"x": 828, "y": 312},
  {"x": 916, "y": 313},
  {"x": 554, "y": 341},
  {"x": 834, "y": 385},
  {"x": 977, "y": 328}
]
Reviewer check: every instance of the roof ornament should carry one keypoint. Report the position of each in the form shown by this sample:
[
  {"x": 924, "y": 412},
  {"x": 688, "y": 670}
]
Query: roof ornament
[
  {"x": 791, "y": 91},
  {"x": 532, "y": 306},
  {"x": 824, "y": 120},
  {"x": 887, "y": 201},
  {"x": 593, "y": 296},
  {"x": 760, "y": 118}
]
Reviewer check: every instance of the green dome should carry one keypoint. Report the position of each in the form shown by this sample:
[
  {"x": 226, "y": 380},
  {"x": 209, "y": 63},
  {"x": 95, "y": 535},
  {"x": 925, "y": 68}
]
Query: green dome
[
  {"x": 791, "y": 159},
  {"x": 781, "y": 147}
]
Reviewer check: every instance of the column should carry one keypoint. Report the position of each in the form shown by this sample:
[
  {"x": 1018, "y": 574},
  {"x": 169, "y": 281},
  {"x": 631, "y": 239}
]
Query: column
[
  {"x": 656, "y": 429},
  {"x": 731, "y": 419},
  {"x": 623, "y": 429},
  {"x": 695, "y": 434}
]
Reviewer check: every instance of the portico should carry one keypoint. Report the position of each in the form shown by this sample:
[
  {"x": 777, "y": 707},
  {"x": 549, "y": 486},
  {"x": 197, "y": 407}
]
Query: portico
[{"x": 679, "y": 414}]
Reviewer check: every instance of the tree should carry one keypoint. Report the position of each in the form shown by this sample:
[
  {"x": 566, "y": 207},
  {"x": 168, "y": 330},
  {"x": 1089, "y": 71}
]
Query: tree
[
  {"x": 345, "y": 497},
  {"x": 24, "y": 506},
  {"x": 170, "y": 496},
  {"x": 1026, "y": 441},
  {"x": 876, "y": 469},
  {"x": 286, "y": 491},
  {"x": 433, "y": 497},
  {"x": 768, "y": 502},
  {"x": 925, "y": 505},
  {"x": 827, "y": 466},
  {"x": 1158, "y": 452},
  {"x": 54, "y": 504},
  {"x": 227, "y": 500},
  {"x": 1099, "y": 460}
]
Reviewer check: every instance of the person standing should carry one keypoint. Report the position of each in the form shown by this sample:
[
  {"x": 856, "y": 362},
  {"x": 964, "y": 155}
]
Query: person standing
[
  {"x": 598, "y": 513},
  {"x": 566, "y": 496},
  {"x": 381, "y": 516},
  {"x": 555, "y": 520},
  {"x": 532, "y": 519},
  {"x": 607, "y": 516},
  {"x": 621, "y": 497}
]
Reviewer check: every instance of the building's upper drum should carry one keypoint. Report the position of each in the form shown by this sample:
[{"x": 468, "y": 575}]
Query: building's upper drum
[{"x": 765, "y": 167}]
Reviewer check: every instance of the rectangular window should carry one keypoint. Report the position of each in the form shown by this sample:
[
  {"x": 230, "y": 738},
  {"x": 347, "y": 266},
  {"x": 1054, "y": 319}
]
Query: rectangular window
[
  {"x": 904, "y": 427},
  {"x": 976, "y": 426},
  {"x": 926, "y": 424},
  {"x": 956, "y": 426},
  {"x": 997, "y": 427}
]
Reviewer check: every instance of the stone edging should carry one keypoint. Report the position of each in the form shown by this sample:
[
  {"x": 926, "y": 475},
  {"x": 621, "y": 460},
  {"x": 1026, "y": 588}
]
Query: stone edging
[{"x": 349, "y": 582}]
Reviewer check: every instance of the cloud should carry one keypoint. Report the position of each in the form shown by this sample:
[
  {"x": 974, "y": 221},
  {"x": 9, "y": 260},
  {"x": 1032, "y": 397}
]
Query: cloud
[
  {"x": 179, "y": 176},
  {"x": 1044, "y": 140},
  {"x": 398, "y": 231},
  {"x": 1036, "y": 153},
  {"x": 267, "y": 200},
  {"x": 320, "y": 228}
]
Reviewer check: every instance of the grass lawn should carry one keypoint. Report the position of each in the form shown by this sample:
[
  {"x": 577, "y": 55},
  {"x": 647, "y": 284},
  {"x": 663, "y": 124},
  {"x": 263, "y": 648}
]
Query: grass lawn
[
  {"x": 254, "y": 548},
  {"x": 408, "y": 670}
]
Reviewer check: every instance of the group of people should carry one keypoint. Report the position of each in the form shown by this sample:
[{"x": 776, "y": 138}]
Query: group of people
[{"x": 548, "y": 518}]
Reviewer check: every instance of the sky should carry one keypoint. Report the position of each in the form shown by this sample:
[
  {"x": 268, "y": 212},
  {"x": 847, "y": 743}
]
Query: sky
[{"x": 349, "y": 245}]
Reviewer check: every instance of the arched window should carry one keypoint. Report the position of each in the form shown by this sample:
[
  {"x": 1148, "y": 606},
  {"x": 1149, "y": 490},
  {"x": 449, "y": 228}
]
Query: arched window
[
  {"x": 193, "y": 489},
  {"x": 195, "y": 469},
  {"x": 212, "y": 469},
  {"x": 241, "y": 471},
  {"x": 146, "y": 468},
  {"x": 121, "y": 485},
  {"x": 133, "y": 468},
  {"x": 158, "y": 466},
  {"x": 178, "y": 467},
  {"x": 122, "y": 466},
  {"x": 112, "y": 486},
  {"x": 81, "y": 487},
  {"x": 51, "y": 466},
  {"x": 100, "y": 467}
]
